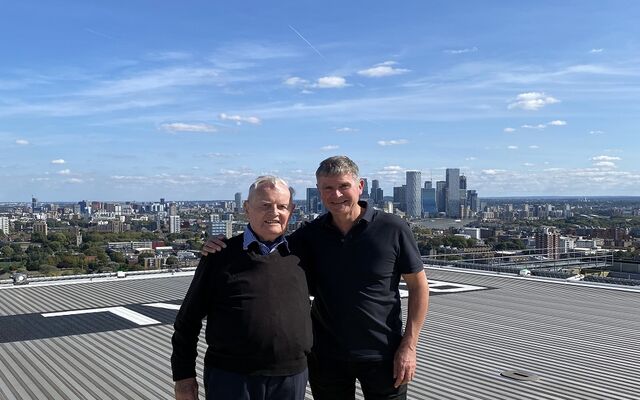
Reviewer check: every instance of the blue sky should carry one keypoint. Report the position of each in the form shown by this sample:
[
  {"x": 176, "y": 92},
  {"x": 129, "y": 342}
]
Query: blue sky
[{"x": 138, "y": 100}]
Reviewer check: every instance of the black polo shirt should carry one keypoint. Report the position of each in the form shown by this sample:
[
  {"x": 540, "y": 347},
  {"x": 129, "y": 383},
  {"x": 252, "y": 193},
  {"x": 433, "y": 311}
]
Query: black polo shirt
[{"x": 356, "y": 310}]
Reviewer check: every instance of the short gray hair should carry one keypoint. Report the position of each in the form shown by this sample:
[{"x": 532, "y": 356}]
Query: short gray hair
[
  {"x": 337, "y": 165},
  {"x": 271, "y": 181}
]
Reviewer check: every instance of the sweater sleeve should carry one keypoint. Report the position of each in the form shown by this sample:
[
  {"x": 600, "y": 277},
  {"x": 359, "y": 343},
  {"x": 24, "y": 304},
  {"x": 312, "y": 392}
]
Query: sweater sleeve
[{"x": 189, "y": 321}]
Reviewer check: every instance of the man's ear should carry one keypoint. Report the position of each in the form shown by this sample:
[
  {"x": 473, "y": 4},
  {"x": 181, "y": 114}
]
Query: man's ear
[
  {"x": 293, "y": 207},
  {"x": 245, "y": 205}
]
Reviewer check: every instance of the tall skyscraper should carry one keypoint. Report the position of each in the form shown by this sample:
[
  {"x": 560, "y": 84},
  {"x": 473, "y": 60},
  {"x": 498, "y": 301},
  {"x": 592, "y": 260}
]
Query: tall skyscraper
[
  {"x": 375, "y": 185},
  {"x": 428, "y": 184},
  {"x": 238, "y": 200},
  {"x": 453, "y": 192},
  {"x": 365, "y": 189},
  {"x": 413, "y": 193},
  {"x": 34, "y": 204},
  {"x": 441, "y": 196},
  {"x": 472, "y": 201},
  {"x": 429, "y": 205},
  {"x": 463, "y": 182},
  {"x": 400, "y": 197},
  {"x": 314, "y": 205}
]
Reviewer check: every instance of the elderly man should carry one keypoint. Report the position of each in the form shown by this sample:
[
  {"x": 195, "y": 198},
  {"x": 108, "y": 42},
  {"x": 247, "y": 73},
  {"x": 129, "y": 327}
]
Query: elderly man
[
  {"x": 357, "y": 256},
  {"x": 255, "y": 297}
]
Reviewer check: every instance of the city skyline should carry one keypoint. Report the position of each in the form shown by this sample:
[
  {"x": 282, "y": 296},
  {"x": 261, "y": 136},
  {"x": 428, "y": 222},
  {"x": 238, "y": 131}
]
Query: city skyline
[{"x": 137, "y": 101}]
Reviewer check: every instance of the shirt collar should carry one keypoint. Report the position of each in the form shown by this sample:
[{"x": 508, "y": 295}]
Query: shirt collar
[{"x": 250, "y": 237}]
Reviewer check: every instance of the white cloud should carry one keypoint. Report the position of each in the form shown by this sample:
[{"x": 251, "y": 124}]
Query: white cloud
[
  {"x": 492, "y": 171},
  {"x": 509, "y": 130},
  {"x": 605, "y": 158},
  {"x": 462, "y": 51},
  {"x": 532, "y": 101},
  {"x": 64, "y": 172},
  {"x": 184, "y": 127},
  {"x": 596, "y": 50},
  {"x": 512, "y": 147},
  {"x": 347, "y": 129},
  {"x": 528, "y": 164},
  {"x": 331, "y": 82},
  {"x": 383, "y": 69},
  {"x": 329, "y": 147},
  {"x": 393, "y": 168},
  {"x": 74, "y": 180},
  {"x": 596, "y": 132},
  {"x": 606, "y": 164},
  {"x": 58, "y": 161},
  {"x": 392, "y": 142},
  {"x": 470, "y": 159},
  {"x": 539, "y": 126},
  {"x": 22, "y": 142},
  {"x": 534, "y": 146},
  {"x": 558, "y": 122},
  {"x": 295, "y": 81},
  {"x": 239, "y": 120}
]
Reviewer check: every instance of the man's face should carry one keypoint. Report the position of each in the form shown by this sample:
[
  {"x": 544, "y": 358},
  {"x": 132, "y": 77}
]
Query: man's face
[
  {"x": 268, "y": 211},
  {"x": 339, "y": 193}
]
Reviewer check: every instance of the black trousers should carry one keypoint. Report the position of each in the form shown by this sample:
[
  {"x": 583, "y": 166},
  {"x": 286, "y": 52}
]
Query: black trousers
[
  {"x": 225, "y": 385},
  {"x": 333, "y": 379}
]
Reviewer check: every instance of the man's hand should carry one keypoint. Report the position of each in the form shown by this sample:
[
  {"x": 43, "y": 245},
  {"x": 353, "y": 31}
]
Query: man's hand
[
  {"x": 186, "y": 389},
  {"x": 404, "y": 364},
  {"x": 213, "y": 245}
]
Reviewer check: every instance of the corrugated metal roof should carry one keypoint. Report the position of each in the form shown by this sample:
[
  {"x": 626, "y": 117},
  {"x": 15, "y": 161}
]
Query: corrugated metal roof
[{"x": 581, "y": 341}]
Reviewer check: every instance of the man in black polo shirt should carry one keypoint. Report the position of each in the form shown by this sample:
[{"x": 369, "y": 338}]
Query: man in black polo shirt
[
  {"x": 357, "y": 256},
  {"x": 255, "y": 297}
]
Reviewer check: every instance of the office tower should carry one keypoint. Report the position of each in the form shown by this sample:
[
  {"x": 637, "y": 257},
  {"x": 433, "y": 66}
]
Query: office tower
[
  {"x": 162, "y": 201},
  {"x": 441, "y": 196},
  {"x": 379, "y": 195},
  {"x": 34, "y": 204},
  {"x": 4, "y": 225},
  {"x": 314, "y": 205},
  {"x": 375, "y": 185},
  {"x": 472, "y": 201},
  {"x": 429, "y": 205},
  {"x": 400, "y": 197},
  {"x": 238, "y": 200},
  {"x": 174, "y": 224},
  {"x": 548, "y": 242},
  {"x": 453, "y": 192},
  {"x": 173, "y": 209},
  {"x": 365, "y": 189},
  {"x": 414, "y": 202},
  {"x": 428, "y": 185},
  {"x": 463, "y": 182}
]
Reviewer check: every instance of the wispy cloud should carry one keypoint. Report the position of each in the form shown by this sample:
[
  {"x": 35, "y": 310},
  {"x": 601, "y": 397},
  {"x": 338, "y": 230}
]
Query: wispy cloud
[
  {"x": 64, "y": 172},
  {"x": 605, "y": 158},
  {"x": 539, "y": 126},
  {"x": 558, "y": 122},
  {"x": 22, "y": 142},
  {"x": 532, "y": 101},
  {"x": 509, "y": 130},
  {"x": 329, "y": 147},
  {"x": 392, "y": 142},
  {"x": 512, "y": 147},
  {"x": 534, "y": 147},
  {"x": 306, "y": 41},
  {"x": 596, "y": 132},
  {"x": 58, "y": 161},
  {"x": 383, "y": 69},
  {"x": 331, "y": 82},
  {"x": 346, "y": 129},
  {"x": 296, "y": 81},
  {"x": 239, "y": 119},
  {"x": 596, "y": 51},
  {"x": 461, "y": 51},
  {"x": 186, "y": 127},
  {"x": 606, "y": 164}
]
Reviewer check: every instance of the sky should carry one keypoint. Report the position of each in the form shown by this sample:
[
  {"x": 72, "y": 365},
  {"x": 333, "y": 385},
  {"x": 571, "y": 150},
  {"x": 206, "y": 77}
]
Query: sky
[{"x": 192, "y": 100}]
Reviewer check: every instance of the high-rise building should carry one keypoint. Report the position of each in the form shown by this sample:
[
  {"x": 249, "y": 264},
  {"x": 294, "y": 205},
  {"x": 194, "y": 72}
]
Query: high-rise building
[
  {"x": 375, "y": 185},
  {"x": 379, "y": 196},
  {"x": 472, "y": 201},
  {"x": 365, "y": 189},
  {"x": 224, "y": 228},
  {"x": 548, "y": 242},
  {"x": 453, "y": 192},
  {"x": 173, "y": 209},
  {"x": 314, "y": 205},
  {"x": 400, "y": 197},
  {"x": 463, "y": 182},
  {"x": 4, "y": 225},
  {"x": 441, "y": 196},
  {"x": 174, "y": 224},
  {"x": 428, "y": 185},
  {"x": 413, "y": 193},
  {"x": 34, "y": 204},
  {"x": 429, "y": 205},
  {"x": 238, "y": 200}
]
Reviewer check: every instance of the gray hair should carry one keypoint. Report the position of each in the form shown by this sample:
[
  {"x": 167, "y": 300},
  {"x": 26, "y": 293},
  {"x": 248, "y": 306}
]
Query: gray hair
[
  {"x": 271, "y": 181},
  {"x": 337, "y": 165}
]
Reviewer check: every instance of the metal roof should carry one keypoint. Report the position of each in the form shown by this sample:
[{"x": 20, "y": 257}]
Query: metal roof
[{"x": 580, "y": 341}]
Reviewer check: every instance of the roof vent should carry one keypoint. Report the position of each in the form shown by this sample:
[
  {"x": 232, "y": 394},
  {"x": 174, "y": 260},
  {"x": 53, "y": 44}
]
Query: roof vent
[
  {"x": 520, "y": 375},
  {"x": 19, "y": 278}
]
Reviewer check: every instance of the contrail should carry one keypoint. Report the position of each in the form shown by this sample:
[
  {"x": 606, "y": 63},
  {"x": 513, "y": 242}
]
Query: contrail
[
  {"x": 306, "y": 41},
  {"x": 98, "y": 33}
]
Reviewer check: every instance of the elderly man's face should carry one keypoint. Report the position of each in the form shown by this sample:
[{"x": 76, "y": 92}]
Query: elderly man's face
[{"x": 269, "y": 209}]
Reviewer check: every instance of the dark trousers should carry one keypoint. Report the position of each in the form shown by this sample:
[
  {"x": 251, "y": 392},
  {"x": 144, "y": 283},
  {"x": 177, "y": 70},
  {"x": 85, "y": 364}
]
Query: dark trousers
[
  {"x": 225, "y": 385},
  {"x": 332, "y": 379}
]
